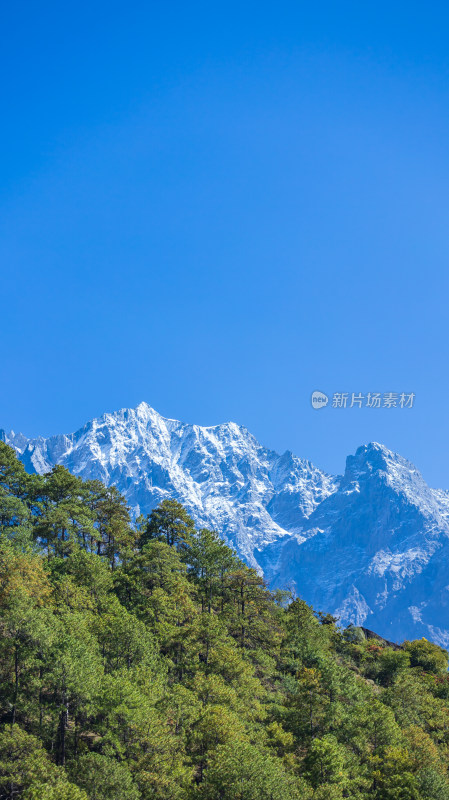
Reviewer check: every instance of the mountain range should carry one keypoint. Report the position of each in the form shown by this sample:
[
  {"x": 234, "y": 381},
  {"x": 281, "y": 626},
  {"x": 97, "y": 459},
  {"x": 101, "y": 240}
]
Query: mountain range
[{"x": 370, "y": 546}]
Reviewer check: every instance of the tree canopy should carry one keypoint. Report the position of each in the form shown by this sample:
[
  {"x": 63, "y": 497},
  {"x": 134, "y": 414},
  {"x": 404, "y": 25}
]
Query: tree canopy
[{"x": 146, "y": 661}]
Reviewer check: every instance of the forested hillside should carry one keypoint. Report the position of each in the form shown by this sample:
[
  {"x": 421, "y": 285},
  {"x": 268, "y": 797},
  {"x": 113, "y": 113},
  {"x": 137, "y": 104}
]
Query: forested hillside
[{"x": 147, "y": 662}]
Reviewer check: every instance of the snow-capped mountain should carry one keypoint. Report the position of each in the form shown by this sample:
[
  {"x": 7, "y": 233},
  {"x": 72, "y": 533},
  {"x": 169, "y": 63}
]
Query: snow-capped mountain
[
  {"x": 376, "y": 552},
  {"x": 371, "y": 547},
  {"x": 222, "y": 475}
]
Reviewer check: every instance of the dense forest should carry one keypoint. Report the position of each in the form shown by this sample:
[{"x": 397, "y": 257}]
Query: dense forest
[{"x": 146, "y": 662}]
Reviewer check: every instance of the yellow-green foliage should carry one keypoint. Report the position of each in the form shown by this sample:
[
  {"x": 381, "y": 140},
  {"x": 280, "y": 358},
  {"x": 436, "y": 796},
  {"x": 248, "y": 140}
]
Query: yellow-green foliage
[{"x": 147, "y": 662}]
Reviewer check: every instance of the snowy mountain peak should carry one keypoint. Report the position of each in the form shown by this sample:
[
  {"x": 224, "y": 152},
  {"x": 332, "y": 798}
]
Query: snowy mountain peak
[
  {"x": 224, "y": 477},
  {"x": 376, "y": 463},
  {"x": 373, "y": 457},
  {"x": 375, "y": 550},
  {"x": 371, "y": 546},
  {"x": 144, "y": 408}
]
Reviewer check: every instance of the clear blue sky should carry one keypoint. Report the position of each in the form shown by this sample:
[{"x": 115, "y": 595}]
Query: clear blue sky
[{"x": 220, "y": 207}]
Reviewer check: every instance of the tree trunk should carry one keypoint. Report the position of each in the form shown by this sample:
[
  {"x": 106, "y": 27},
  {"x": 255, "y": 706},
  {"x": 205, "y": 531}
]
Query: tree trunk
[
  {"x": 40, "y": 700},
  {"x": 62, "y": 731},
  {"x": 16, "y": 684}
]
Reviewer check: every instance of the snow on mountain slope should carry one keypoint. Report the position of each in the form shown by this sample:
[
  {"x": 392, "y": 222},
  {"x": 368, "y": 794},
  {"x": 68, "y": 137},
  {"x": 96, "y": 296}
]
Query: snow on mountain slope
[
  {"x": 371, "y": 546},
  {"x": 376, "y": 551},
  {"x": 223, "y": 476}
]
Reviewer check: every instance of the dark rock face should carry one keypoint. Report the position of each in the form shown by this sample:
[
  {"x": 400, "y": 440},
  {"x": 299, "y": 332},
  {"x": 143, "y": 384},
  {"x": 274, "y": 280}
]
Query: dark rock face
[{"x": 376, "y": 550}]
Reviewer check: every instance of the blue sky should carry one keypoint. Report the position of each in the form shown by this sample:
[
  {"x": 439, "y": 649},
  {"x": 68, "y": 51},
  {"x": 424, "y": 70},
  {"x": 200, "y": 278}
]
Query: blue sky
[{"x": 219, "y": 208}]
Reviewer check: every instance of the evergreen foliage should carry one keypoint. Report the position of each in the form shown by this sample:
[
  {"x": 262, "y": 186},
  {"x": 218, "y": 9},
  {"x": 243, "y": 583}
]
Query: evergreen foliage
[{"x": 147, "y": 662}]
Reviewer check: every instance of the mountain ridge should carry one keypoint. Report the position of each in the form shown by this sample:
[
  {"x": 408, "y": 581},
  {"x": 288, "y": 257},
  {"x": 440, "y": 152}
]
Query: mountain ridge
[
  {"x": 221, "y": 473},
  {"x": 371, "y": 546}
]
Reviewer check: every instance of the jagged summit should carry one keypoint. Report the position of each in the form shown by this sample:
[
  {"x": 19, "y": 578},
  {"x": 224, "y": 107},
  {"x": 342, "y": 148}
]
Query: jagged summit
[
  {"x": 376, "y": 463},
  {"x": 376, "y": 550},
  {"x": 375, "y": 457},
  {"x": 371, "y": 546},
  {"x": 224, "y": 477}
]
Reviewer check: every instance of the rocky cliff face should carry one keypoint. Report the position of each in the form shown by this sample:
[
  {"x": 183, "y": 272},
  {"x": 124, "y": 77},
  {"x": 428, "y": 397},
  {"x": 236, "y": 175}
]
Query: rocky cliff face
[
  {"x": 376, "y": 551},
  {"x": 371, "y": 546}
]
